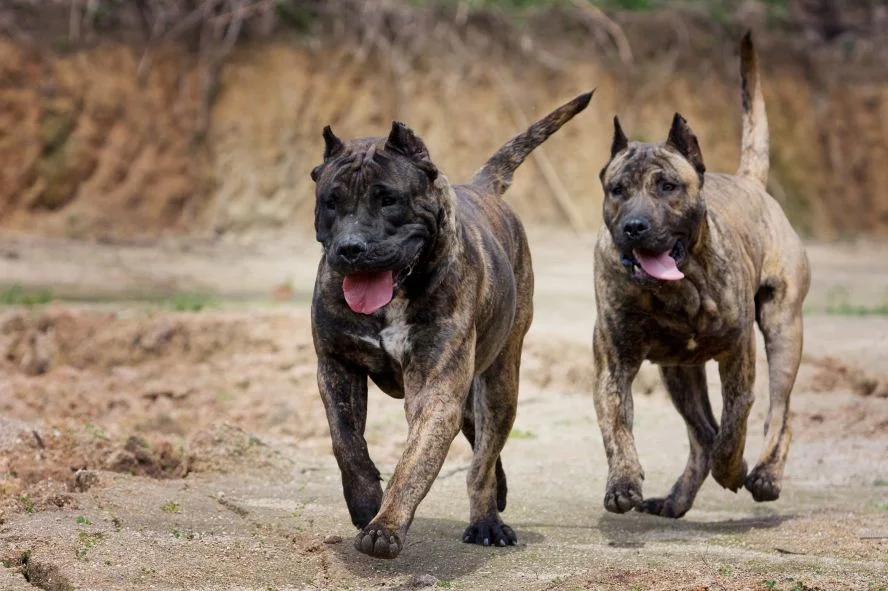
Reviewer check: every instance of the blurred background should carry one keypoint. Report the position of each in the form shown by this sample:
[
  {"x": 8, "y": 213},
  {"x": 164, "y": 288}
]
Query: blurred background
[
  {"x": 125, "y": 120},
  {"x": 160, "y": 424}
]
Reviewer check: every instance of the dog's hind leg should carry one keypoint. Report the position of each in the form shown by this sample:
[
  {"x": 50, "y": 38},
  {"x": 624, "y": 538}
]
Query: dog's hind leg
[
  {"x": 344, "y": 393},
  {"x": 687, "y": 389},
  {"x": 781, "y": 325},
  {"x": 494, "y": 409},
  {"x": 468, "y": 429}
]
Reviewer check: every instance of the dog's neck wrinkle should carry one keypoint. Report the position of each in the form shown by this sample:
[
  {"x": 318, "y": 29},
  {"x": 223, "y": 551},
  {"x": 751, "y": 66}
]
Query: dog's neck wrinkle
[{"x": 436, "y": 261}]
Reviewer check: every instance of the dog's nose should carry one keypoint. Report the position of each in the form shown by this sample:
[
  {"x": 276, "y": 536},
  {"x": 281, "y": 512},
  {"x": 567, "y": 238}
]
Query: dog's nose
[
  {"x": 351, "y": 248},
  {"x": 636, "y": 227}
]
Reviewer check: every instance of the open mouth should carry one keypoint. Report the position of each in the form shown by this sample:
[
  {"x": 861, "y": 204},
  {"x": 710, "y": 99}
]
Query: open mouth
[
  {"x": 367, "y": 291},
  {"x": 662, "y": 265}
]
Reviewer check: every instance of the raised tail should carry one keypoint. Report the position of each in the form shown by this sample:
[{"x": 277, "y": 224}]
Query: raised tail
[
  {"x": 496, "y": 174},
  {"x": 754, "y": 150}
]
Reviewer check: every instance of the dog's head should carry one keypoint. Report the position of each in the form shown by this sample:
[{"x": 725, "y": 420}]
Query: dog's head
[
  {"x": 653, "y": 202},
  {"x": 379, "y": 205}
]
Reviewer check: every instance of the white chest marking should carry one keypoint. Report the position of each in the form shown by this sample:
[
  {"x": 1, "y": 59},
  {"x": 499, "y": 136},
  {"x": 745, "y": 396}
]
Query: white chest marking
[
  {"x": 394, "y": 340},
  {"x": 394, "y": 337}
]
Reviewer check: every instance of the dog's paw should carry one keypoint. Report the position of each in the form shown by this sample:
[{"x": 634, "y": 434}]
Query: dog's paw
[
  {"x": 490, "y": 532},
  {"x": 763, "y": 485},
  {"x": 378, "y": 542},
  {"x": 730, "y": 476},
  {"x": 623, "y": 494},
  {"x": 662, "y": 506}
]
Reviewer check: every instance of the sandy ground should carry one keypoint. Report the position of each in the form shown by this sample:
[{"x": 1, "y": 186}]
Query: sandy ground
[{"x": 143, "y": 447}]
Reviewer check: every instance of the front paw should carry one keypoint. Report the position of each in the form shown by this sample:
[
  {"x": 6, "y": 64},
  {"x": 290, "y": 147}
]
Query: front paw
[
  {"x": 730, "y": 474},
  {"x": 763, "y": 485},
  {"x": 490, "y": 532},
  {"x": 623, "y": 494},
  {"x": 662, "y": 506},
  {"x": 378, "y": 542}
]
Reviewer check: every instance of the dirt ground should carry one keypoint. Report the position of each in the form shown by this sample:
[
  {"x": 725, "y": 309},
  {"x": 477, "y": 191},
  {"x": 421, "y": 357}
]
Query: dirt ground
[{"x": 149, "y": 444}]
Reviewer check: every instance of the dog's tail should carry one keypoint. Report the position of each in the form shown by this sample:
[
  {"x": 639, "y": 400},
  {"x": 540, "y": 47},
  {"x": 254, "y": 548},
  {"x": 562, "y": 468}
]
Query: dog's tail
[
  {"x": 496, "y": 174},
  {"x": 754, "y": 148}
]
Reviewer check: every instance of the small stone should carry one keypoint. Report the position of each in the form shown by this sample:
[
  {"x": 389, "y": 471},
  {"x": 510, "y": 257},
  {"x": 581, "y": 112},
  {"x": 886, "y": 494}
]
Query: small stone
[
  {"x": 332, "y": 539},
  {"x": 425, "y": 580},
  {"x": 85, "y": 480}
]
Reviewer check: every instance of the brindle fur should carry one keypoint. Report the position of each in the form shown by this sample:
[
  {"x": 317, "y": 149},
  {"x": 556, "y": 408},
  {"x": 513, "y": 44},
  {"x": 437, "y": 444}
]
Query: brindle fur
[
  {"x": 744, "y": 264},
  {"x": 449, "y": 343}
]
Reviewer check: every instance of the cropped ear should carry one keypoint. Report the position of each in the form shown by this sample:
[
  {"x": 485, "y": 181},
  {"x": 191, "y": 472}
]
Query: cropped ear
[
  {"x": 333, "y": 146},
  {"x": 402, "y": 140},
  {"x": 316, "y": 172},
  {"x": 683, "y": 140},
  {"x": 620, "y": 141}
]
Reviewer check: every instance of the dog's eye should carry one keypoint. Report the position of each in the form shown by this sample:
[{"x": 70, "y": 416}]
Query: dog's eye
[
  {"x": 328, "y": 203},
  {"x": 617, "y": 191},
  {"x": 387, "y": 199},
  {"x": 667, "y": 187}
]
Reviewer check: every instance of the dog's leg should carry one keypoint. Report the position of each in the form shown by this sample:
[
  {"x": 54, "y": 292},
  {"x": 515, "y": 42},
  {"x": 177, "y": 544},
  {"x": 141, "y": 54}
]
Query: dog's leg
[
  {"x": 782, "y": 329},
  {"x": 434, "y": 396},
  {"x": 687, "y": 388},
  {"x": 737, "y": 372},
  {"x": 468, "y": 429},
  {"x": 495, "y": 406},
  {"x": 613, "y": 376},
  {"x": 344, "y": 393}
]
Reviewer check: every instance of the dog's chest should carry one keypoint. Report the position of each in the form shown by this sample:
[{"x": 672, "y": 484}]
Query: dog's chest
[
  {"x": 694, "y": 328},
  {"x": 393, "y": 338}
]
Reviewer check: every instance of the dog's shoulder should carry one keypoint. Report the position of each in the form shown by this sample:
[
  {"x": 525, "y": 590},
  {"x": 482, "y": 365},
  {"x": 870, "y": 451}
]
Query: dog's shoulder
[{"x": 745, "y": 209}]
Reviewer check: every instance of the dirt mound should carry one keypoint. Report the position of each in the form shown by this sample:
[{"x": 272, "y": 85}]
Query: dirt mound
[
  {"x": 148, "y": 395},
  {"x": 226, "y": 448},
  {"x": 833, "y": 374},
  {"x": 564, "y": 365},
  {"x": 104, "y": 341},
  {"x": 89, "y": 152}
]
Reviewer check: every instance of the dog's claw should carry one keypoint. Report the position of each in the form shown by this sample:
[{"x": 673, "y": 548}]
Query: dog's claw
[
  {"x": 378, "y": 543},
  {"x": 763, "y": 486},
  {"x": 490, "y": 532},
  {"x": 622, "y": 495}
]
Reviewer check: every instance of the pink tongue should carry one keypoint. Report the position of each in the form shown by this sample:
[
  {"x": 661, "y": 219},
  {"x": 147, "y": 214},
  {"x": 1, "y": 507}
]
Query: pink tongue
[
  {"x": 366, "y": 293},
  {"x": 658, "y": 265}
]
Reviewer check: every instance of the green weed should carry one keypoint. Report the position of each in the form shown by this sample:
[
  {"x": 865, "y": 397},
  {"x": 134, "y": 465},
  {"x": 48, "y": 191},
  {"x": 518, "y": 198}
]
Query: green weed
[
  {"x": 521, "y": 434},
  {"x": 189, "y": 302},
  {"x": 16, "y": 295},
  {"x": 27, "y": 504},
  {"x": 87, "y": 541}
]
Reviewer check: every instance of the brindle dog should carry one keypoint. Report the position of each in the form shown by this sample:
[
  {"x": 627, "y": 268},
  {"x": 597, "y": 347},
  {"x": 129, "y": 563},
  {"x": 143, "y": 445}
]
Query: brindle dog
[
  {"x": 688, "y": 263},
  {"x": 426, "y": 288}
]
